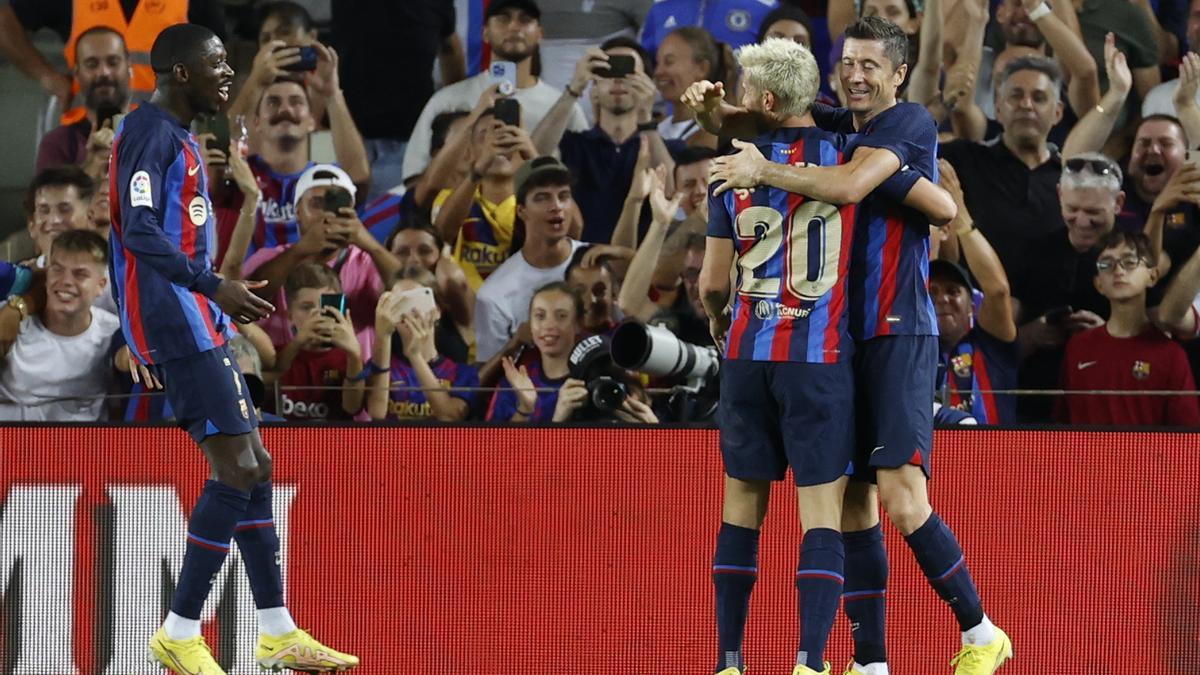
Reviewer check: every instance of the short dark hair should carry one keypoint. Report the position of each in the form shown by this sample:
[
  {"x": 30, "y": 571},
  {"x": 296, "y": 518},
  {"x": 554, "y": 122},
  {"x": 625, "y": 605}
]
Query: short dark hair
[
  {"x": 561, "y": 287},
  {"x": 784, "y": 12},
  {"x": 418, "y": 222},
  {"x": 82, "y": 241},
  {"x": 441, "y": 128},
  {"x": 1137, "y": 241},
  {"x": 543, "y": 179},
  {"x": 310, "y": 275},
  {"x": 59, "y": 176},
  {"x": 178, "y": 43},
  {"x": 100, "y": 30},
  {"x": 577, "y": 262},
  {"x": 1163, "y": 117},
  {"x": 626, "y": 42},
  {"x": 690, "y": 154},
  {"x": 287, "y": 12},
  {"x": 283, "y": 79},
  {"x": 1040, "y": 64},
  {"x": 895, "y": 41}
]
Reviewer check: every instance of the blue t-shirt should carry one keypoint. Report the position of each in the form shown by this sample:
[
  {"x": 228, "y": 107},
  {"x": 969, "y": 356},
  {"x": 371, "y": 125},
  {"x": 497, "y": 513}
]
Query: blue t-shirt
[{"x": 412, "y": 404}]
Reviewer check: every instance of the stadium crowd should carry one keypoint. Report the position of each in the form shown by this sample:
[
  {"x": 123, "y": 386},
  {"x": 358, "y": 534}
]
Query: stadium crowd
[{"x": 448, "y": 238}]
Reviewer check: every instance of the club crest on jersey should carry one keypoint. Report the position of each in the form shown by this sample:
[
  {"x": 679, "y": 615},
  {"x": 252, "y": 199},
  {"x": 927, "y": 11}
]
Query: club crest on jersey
[
  {"x": 962, "y": 365},
  {"x": 139, "y": 190},
  {"x": 1141, "y": 370},
  {"x": 198, "y": 210}
]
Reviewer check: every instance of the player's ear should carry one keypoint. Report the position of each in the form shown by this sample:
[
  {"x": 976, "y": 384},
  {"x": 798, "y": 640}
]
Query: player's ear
[
  {"x": 899, "y": 75},
  {"x": 180, "y": 72}
]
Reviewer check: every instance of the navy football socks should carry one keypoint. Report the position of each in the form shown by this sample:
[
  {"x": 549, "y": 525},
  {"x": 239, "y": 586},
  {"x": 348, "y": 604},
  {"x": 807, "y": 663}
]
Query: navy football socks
[
  {"x": 819, "y": 585},
  {"x": 942, "y": 561},
  {"x": 865, "y": 594},
  {"x": 735, "y": 569},
  {"x": 259, "y": 544},
  {"x": 210, "y": 530}
]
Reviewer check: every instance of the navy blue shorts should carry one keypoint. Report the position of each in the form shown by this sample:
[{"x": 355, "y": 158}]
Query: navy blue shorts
[
  {"x": 776, "y": 415},
  {"x": 894, "y": 380},
  {"x": 208, "y": 394}
]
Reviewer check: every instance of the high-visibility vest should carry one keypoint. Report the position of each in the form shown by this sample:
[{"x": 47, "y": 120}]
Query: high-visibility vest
[{"x": 149, "y": 19}]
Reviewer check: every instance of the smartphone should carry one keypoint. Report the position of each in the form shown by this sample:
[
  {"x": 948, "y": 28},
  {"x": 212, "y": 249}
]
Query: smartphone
[
  {"x": 619, "y": 65},
  {"x": 508, "y": 111},
  {"x": 218, "y": 126},
  {"x": 334, "y": 300},
  {"x": 308, "y": 60},
  {"x": 107, "y": 114},
  {"x": 1058, "y": 315},
  {"x": 336, "y": 199},
  {"x": 419, "y": 299},
  {"x": 505, "y": 74}
]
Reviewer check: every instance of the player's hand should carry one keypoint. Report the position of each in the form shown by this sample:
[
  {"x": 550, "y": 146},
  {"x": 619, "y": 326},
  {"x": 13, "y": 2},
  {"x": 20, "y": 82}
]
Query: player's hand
[
  {"x": 522, "y": 386},
  {"x": 663, "y": 209},
  {"x": 342, "y": 331},
  {"x": 703, "y": 96},
  {"x": 237, "y": 299},
  {"x": 718, "y": 327},
  {"x": 270, "y": 61},
  {"x": 740, "y": 170},
  {"x": 635, "y": 412},
  {"x": 1120, "y": 79},
  {"x": 571, "y": 396},
  {"x": 139, "y": 372},
  {"x": 1189, "y": 80}
]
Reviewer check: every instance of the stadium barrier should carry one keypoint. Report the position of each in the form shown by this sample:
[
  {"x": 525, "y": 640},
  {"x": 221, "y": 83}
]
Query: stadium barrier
[{"x": 582, "y": 550}]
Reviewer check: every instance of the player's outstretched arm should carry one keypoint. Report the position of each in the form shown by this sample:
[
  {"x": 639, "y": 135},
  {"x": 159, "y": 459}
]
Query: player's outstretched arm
[
  {"x": 932, "y": 201},
  {"x": 714, "y": 285},
  {"x": 847, "y": 183}
]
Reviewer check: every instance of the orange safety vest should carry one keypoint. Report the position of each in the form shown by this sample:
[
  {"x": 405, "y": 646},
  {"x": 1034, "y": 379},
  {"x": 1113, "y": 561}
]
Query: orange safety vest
[{"x": 149, "y": 19}]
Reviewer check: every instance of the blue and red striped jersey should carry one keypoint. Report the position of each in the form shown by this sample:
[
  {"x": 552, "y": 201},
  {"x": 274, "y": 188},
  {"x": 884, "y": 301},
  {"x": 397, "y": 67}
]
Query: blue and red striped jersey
[
  {"x": 162, "y": 222},
  {"x": 793, "y": 255},
  {"x": 889, "y": 271},
  {"x": 969, "y": 372},
  {"x": 504, "y": 401}
]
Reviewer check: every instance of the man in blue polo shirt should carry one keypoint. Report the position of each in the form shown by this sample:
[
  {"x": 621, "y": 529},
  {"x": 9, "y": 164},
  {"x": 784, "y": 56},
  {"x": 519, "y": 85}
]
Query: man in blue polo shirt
[{"x": 603, "y": 159}]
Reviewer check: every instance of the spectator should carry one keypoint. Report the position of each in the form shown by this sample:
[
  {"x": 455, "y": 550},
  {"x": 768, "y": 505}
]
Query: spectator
[
  {"x": 592, "y": 281},
  {"x": 543, "y": 197},
  {"x": 406, "y": 38},
  {"x": 513, "y": 30},
  {"x": 691, "y": 179},
  {"x": 574, "y": 27},
  {"x": 69, "y": 20},
  {"x": 322, "y": 352},
  {"x": 283, "y": 124},
  {"x": 338, "y": 240},
  {"x": 478, "y": 215},
  {"x": 978, "y": 348},
  {"x": 250, "y": 361},
  {"x": 449, "y": 126},
  {"x": 419, "y": 249},
  {"x": 1161, "y": 99},
  {"x": 788, "y": 22},
  {"x": 56, "y": 201},
  {"x": 102, "y": 70},
  {"x": 1055, "y": 290},
  {"x": 1127, "y": 353},
  {"x": 1010, "y": 183},
  {"x": 686, "y": 55},
  {"x": 98, "y": 215},
  {"x": 733, "y": 22},
  {"x": 1135, "y": 37},
  {"x": 418, "y": 382},
  {"x": 603, "y": 159},
  {"x": 59, "y": 368},
  {"x": 542, "y": 391}
]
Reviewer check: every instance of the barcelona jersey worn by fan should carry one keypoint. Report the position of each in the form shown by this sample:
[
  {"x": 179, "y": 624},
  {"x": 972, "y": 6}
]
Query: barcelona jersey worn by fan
[
  {"x": 793, "y": 254},
  {"x": 973, "y": 370},
  {"x": 504, "y": 401},
  {"x": 162, "y": 230},
  {"x": 486, "y": 237},
  {"x": 406, "y": 400}
]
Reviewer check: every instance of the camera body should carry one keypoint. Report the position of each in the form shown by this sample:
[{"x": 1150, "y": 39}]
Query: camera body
[{"x": 591, "y": 361}]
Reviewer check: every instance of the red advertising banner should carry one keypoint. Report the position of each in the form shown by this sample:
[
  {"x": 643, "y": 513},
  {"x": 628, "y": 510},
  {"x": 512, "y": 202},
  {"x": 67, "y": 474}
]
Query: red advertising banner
[{"x": 497, "y": 550}]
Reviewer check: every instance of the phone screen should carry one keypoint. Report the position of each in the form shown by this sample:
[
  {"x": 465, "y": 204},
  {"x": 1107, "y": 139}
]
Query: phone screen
[
  {"x": 334, "y": 300},
  {"x": 336, "y": 199},
  {"x": 308, "y": 60},
  {"x": 619, "y": 65},
  {"x": 218, "y": 126}
]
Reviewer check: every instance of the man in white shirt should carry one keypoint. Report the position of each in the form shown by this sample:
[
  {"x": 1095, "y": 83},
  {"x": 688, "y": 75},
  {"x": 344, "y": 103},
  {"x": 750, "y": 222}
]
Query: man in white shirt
[
  {"x": 1161, "y": 99},
  {"x": 513, "y": 30},
  {"x": 59, "y": 367},
  {"x": 543, "y": 190}
]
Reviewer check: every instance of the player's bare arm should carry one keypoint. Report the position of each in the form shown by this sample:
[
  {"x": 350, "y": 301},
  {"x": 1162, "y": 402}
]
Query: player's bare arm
[{"x": 714, "y": 285}]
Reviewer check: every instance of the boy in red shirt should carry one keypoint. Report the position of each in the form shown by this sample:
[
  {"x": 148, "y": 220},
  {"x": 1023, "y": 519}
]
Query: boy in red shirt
[
  {"x": 323, "y": 352},
  {"x": 1128, "y": 353}
]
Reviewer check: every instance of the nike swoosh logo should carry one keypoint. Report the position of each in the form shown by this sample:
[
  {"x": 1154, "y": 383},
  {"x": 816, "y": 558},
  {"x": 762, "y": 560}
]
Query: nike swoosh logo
[
  {"x": 192, "y": 171},
  {"x": 1086, "y": 364},
  {"x": 876, "y": 449}
]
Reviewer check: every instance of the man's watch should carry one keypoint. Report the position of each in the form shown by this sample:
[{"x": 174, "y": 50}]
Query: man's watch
[{"x": 19, "y": 303}]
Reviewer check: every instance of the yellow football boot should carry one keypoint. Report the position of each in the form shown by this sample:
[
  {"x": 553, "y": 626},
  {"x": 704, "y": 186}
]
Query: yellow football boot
[
  {"x": 298, "y": 651},
  {"x": 983, "y": 659},
  {"x": 183, "y": 657}
]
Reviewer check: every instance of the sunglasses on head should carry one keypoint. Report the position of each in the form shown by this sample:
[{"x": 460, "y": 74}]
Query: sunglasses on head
[{"x": 1097, "y": 166}]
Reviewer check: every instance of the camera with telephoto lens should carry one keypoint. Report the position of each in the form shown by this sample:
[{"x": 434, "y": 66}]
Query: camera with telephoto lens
[
  {"x": 656, "y": 351},
  {"x": 591, "y": 361}
]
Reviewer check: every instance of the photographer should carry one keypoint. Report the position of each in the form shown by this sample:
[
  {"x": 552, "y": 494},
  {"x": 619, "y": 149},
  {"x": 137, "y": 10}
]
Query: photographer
[{"x": 543, "y": 392}]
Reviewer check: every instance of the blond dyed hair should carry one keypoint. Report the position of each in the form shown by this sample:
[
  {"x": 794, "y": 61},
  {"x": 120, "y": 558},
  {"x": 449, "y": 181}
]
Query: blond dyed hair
[{"x": 784, "y": 68}]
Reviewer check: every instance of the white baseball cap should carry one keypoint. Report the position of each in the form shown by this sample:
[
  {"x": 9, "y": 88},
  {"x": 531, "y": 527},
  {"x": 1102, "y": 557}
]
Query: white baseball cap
[{"x": 322, "y": 174}]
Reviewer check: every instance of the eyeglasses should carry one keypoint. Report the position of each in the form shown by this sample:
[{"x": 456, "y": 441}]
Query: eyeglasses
[
  {"x": 1100, "y": 167},
  {"x": 1128, "y": 264}
]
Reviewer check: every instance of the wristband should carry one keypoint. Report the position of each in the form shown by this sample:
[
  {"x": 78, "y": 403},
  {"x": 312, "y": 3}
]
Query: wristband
[
  {"x": 571, "y": 92},
  {"x": 1039, "y": 12},
  {"x": 648, "y": 126},
  {"x": 369, "y": 369},
  {"x": 963, "y": 230}
]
